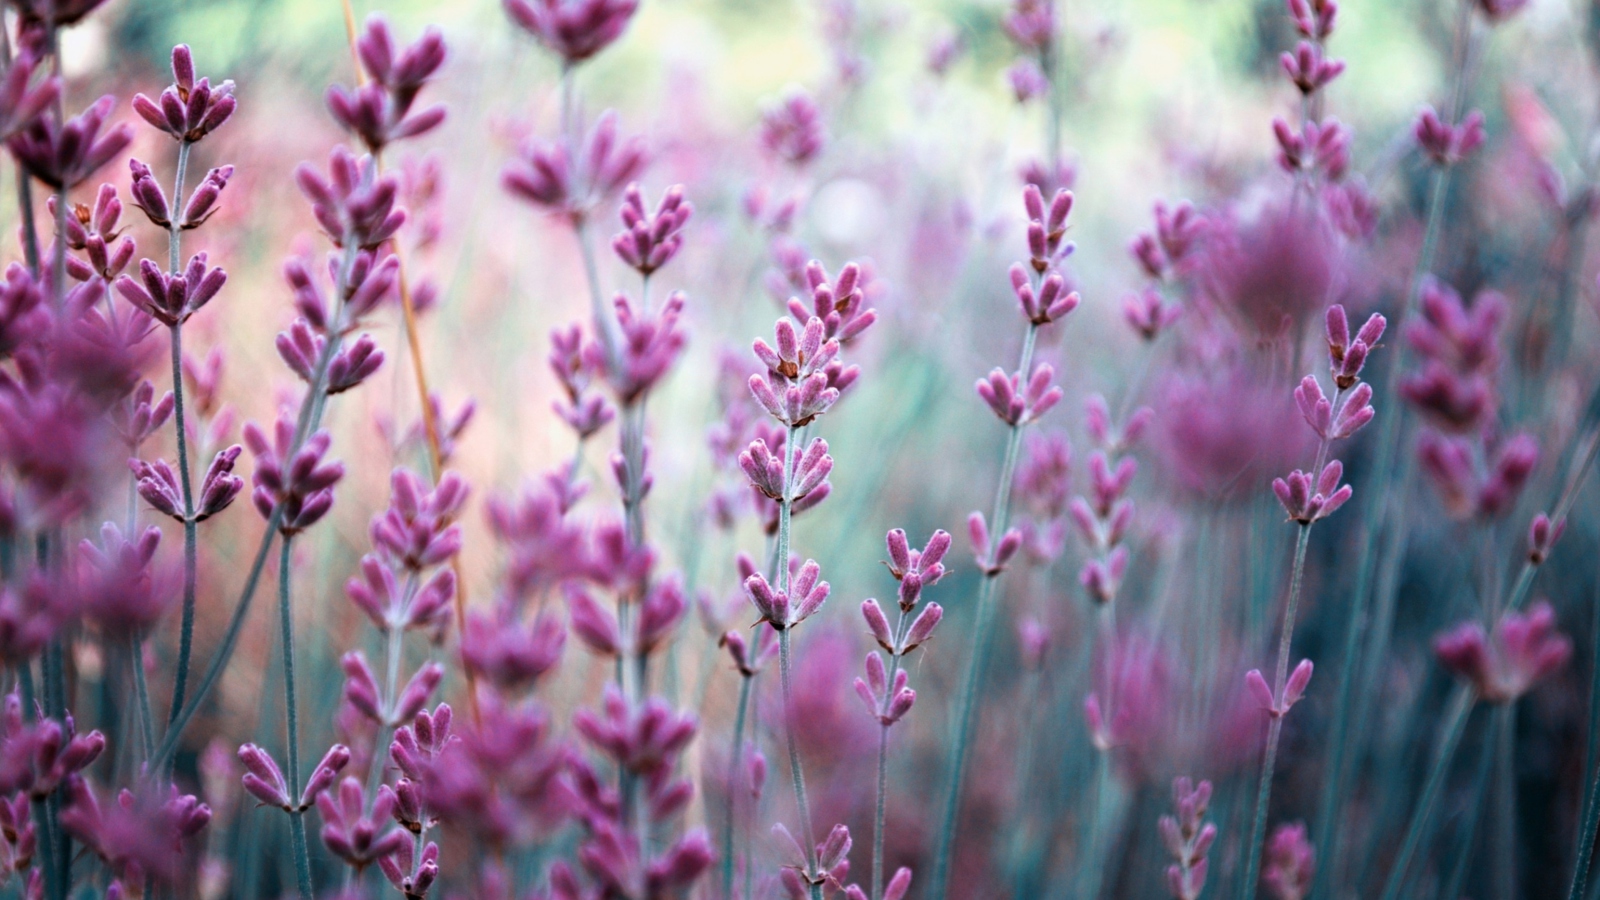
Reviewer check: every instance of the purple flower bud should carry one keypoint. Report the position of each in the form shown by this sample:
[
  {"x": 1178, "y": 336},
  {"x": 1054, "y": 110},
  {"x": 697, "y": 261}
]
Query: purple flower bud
[
  {"x": 324, "y": 775},
  {"x": 360, "y": 687},
  {"x": 594, "y": 626},
  {"x": 922, "y": 627},
  {"x": 220, "y": 485},
  {"x": 1445, "y": 144},
  {"x": 262, "y": 778},
  {"x": 1542, "y": 536},
  {"x": 877, "y": 624},
  {"x": 202, "y": 203},
  {"x": 65, "y": 154}
]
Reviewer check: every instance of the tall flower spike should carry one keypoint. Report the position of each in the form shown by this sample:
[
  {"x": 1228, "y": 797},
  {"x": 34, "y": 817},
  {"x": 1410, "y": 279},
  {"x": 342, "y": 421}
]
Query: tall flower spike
[
  {"x": 1308, "y": 69},
  {"x": 575, "y": 30},
  {"x": 1018, "y": 404},
  {"x": 65, "y": 155},
  {"x": 1050, "y": 303},
  {"x": 1347, "y": 357},
  {"x": 172, "y": 299},
  {"x": 649, "y": 240},
  {"x": 301, "y": 484},
  {"x": 792, "y": 130},
  {"x": 840, "y": 305},
  {"x": 188, "y": 109},
  {"x": 1446, "y": 144},
  {"x": 379, "y": 112},
  {"x": 1524, "y": 649},
  {"x": 1187, "y": 838},
  {"x": 784, "y": 610},
  {"x": 1047, "y": 227},
  {"x": 353, "y": 204},
  {"x": 351, "y": 833},
  {"x": 1289, "y": 864},
  {"x": 1307, "y": 500},
  {"x": 650, "y": 344},
  {"x": 23, "y": 98},
  {"x": 546, "y": 174}
]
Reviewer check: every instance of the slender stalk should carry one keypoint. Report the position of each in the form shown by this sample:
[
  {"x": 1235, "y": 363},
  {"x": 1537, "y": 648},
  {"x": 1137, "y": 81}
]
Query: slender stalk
[
  {"x": 1505, "y": 725},
  {"x": 147, "y": 728},
  {"x": 1591, "y": 796},
  {"x": 1258, "y": 831},
  {"x": 1454, "y": 724},
  {"x": 796, "y": 773},
  {"x": 966, "y": 705},
  {"x": 1377, "y": 516},
  {"x": 878, "y": 813},
  {"x": 737, "y": 755},
  {"x": 1480, "y": 784},
  {"x": 785, "y": 667},
  {"x": 309, "y": 417},
  {"x": 41, "y": 810},
  {"x": 30, "y": 228},
  {"x": 297, "y": 825}
]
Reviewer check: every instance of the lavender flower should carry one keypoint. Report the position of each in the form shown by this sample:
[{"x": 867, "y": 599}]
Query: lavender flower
[
  {"x": 1289, "y": 863},
  {"x": 1446, "y": 144},
  {"x": 188, "y": 109},
  {"x": 573, "y": 183},
  {"x": 67, "y": 154},
  {"x": 575, "y": 30},
  {"x": 1188, "y": 837},
  {"x": 792, "y": 129},
  {"x": 379, "y": 112},
  {"x": 650, "y": 240},
  {"x": 1524, "y": 649}
]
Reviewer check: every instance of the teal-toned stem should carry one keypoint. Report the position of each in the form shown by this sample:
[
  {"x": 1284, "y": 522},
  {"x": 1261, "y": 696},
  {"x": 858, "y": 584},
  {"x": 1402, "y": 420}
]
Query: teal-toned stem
[
  {"x": 147, "y": 728},
  {"x": 180, "y": 427},
  {"x": 796, "y": 772},
  {"x": 30, "y": 228},
  {"x": 1591, "y": 796},
  {"x": 1505, "y": 726},
  {"x": 786, "y": 667},
  {"x": 309, "y": 416},
  {"x": 878, "y": 812},
  {"x": 1352, "y": 707},
  {"x": 393, "y": 640},
  {"x": 737, "y": 755},
  {"x": 1269, "y": 762},
  {"x": 901, "y": 624},
  {"x": 1469, "y": 830},
  {"x": 1454, "y": 724},
  {"x": 297, "y": 825},
  {"x": 966, "y": 705},
  {"x": 41, "y": 810}
]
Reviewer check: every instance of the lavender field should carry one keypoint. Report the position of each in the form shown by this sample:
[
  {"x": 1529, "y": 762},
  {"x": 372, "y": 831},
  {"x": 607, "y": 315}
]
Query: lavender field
[{"x": 867, "y": 449}]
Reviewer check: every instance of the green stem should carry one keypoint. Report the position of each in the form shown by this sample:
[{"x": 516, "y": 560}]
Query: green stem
[
  {"x": 297, "y": 825},
  {"x": 147, "y": 728},
  {"x": 966, "y": 705},
  {"x": 1454, "y": 724},
  {"x": 796, "y": 773},
  {"x": 1591, "y": 797},
  {"x": 1469, "y": 830},
  {"x": 309, "y": 417},
  {"x": 734, "y": 785},
  {"x": 1505, "y": 724},
  {"x": 1258, "y": 830}
]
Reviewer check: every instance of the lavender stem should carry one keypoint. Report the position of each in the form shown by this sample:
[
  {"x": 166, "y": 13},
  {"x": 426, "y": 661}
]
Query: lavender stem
[
  {"x": 966, "y": 705},
  {"x": 297, "y": 825}
]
